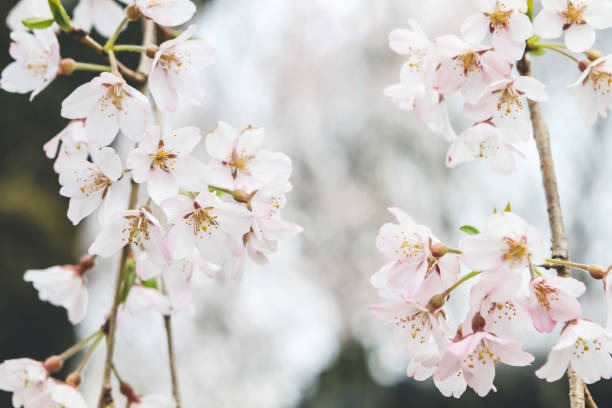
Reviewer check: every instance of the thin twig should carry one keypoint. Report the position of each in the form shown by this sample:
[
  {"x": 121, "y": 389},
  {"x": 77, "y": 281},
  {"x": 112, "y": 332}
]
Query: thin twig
[
  {"x": 555, "y": 216},
  {"x": 171, "y": 353},
  {"x": 589, "y": 398}
]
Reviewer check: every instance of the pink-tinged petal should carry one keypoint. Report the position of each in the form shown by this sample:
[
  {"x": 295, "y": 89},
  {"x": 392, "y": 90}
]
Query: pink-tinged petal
[
  {"x": 169, "y": 14},
  {"x": 133, "y": 116},
  {"x": 448, "y": 79},
  {"x": 220, "y": 174},
  {"x": 391, "y": 312},
  {"x": 510, "y": 353},
  {"x": 139, "y": 162},
  {"x": 554, "y": 5},
  {"x": 107, "y": 16},
  {"x": 608, "y": 292},
  {"x": 189, "y": 86},
  {"x": 192, "y": 174},
  {"x": 401, "y": 216},
  {"x": 116, "y": 199},
  {"x": 109, "y": 162},
  {"x": 454, "y": 385},
  {"x": 474, "y": 28},
  {"x": 598, "y": 14},
  {"x": 83, "y": 15},
  {"x": 507, "y": 48},
  {"x": 555, "y": 366},
  {"x": 548, "y": 24},
  {"x": 481, "y": 252},
  {"x": 102, "y": 126},
  {"x": 450, "y": 46},
  {"x": 514, "y": 127},
  {"x": 408, "y": 42},
  {"x": 484, "y": 108},
  {"x": 183, "y": 140},
  {"x": 82, "y": 101},
  {"x": 162, "y": 185},
  {"x": 267, "y": 168},
  {"x": 15, "y": 78},
  {"x": 50, "y": 148},
  {"x": 110, "y": 239},
  {"x": 481, "y": 379},
  {"x": 532, "y": 88},
  {"x": 379, "y": 279},
  {"x": 181, "y": 239},
  {"x": 81, "y": 207},
  {"x": 176, "y": 208},
  {"x": 579, "y": 37},
  {"x": 503, "y": 162},
  {"x": 214, "y": 245},
  {"x": 220, "y": 142},
  {"x": 448, "y": 366},
  {"x": 570, "y": 285},
  {"x": 165, "y": 95},
  {"x": 520, "y": 27},
  {"x": 250, "y": 141},
  {"x": 234, "y": 219},
  {"x": 76, "y": 311}
]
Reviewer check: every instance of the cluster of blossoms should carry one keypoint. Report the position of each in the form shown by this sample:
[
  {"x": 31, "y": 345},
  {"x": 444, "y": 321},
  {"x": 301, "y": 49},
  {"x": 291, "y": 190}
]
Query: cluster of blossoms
[
  {"x": 480, "y": 64},
  {"x": 195, "y": 217},
  {"x": 422, "y": 274}
]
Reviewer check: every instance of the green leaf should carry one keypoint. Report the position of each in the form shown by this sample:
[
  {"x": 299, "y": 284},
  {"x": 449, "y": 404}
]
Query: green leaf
[
  {"x": 151, "y": 283},
  {"x": 35, "y": 23},
  {"x": 508, "y": 209},
  {"x": 59, "y": 15},
  {"x": 468, "y": 229},
  {"x": 130, "y": 278}
]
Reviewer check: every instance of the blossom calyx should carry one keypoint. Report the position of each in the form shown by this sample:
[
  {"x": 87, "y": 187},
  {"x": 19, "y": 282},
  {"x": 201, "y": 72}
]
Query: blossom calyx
[
  {"x": 241, "y": 196},
  {"x": 597, "y": 271},
  {"x": 438, "y": 249},
  {"x": 86, "y": 262},
  {"x": 436, "y": 302},
  {"x": 583, "y": 64},
  {"x": 53, "y": 364},
  {"x": 478, "y": 322},
  {"x": 66, "y": 66},
  {"x": 593, "y": 55},
  {"x": 73, "y": 379},
  {"x": 127, "y": 390},
  {"x": 132, "y": 12}
]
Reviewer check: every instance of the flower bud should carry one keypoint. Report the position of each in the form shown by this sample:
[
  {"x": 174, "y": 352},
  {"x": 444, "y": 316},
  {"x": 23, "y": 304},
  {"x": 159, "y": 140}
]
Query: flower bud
[
  {"x": 436, "y": 302},
  {"x": 66, "y": 66},
  {"x": 583, "y": 64},
  {"x": 53, "y": 364},
  {"x": 597, "y": 271},
  {"x": 85, "y": 263},
  {"x": 151, "y": 51},
  {"x": 241, "y": 196},
  {"x": 478, "y": 322},
  {"x": 132, "y": 12},
  {"x": 74, "y": 379},
  {"x": 127, "y": 390},
  {"x": 593, "y": 54},
  {"x": 438, "y": 249}
]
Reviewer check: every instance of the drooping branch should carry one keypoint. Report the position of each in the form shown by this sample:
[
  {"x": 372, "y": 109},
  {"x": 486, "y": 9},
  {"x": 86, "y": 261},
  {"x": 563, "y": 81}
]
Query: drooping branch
[{"x": 555, "y": 216}]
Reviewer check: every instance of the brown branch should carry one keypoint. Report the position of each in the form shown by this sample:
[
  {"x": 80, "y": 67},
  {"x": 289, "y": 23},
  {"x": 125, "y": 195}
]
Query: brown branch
[
  {"x": 106, "y": 397},
  {"x": 171, "y": 354},
  {"x": 589, "y": 398},
  {"x": 555, "y": 217}
]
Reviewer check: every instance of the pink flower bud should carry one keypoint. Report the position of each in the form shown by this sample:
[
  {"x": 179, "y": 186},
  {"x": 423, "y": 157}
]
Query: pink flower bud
[{"x": 53, "y": 364}]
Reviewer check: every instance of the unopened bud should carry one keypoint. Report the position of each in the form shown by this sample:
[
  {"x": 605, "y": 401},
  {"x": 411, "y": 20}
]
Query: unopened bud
[
  {"x": 438, "y": 249},
  {"x": 436, "y": 302},
  {"x": 53, "y": 364},
  {"x": 593, "y": 54},
  {"x": 151, "y": 51},
  {"x": 74, "y": 379},
  {"x": 127, "y": 390},
  {"x": 66, "y": 66},
  {"x": 583, "y": 64},
  {"x": 597, "y": 271},
  {"x": 478, "y": 322},
  {"x": 132, "y": 12},
  {"x": 241, "y": 196},
  {"x": 85, "y": 263}
]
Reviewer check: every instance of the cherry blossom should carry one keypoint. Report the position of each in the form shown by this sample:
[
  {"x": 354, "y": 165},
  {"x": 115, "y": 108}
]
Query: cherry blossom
[
  {"x": 176, "y": 71},
  {"x": 578, "y": 18},
  {"x": 24, "y": 377},
  {"x": 58, "y": 394},
  {"x": 138, "y": 227},
  {"x": 466, "y": 66},
  {"x": 103, "y": 15},
  {"x": 68, "y": 144},
  {"x": 27, "y": 9},
  {"x": 507, "y": 23},
  {"x": 36, "y": 62},
  {"x": 594, "y": 90},
  {"x": 165, "y": 12},
  {"x": 238, "y": 163},
  {"x": 583, "y": 345},
  {"x": 502, "y": 102},
  {"x": 61, "y": 286},
  {"x": 143, "y": 298},
  {"x": 164, "y": 162},
  {"x": 109, "y": 104},
  {"x": 553, "y": 299},
  {"x": 91, "y": 184},
  {"x": 510, "y": 243},
  {"x": 483, "y": 140},
  {"x": 476, "y": 355},
  {"x": 205, "y": 222},
  {"x": 426, "y": 364}
]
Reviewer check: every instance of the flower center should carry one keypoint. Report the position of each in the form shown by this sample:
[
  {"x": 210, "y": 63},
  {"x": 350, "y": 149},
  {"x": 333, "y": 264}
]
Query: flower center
[
  {"x": 203, "y": 222},
  {"x": 516, "y": 251},
  {"x": 240, "y": 162},
  {"x": 158, "y": 3},
  {"x": 572, "y": 14},
  {"x": 137, "y": 228},
  {"x": 114, "y": 96},
  {"x": 545, "y": 295},
  {"x": 173, "y": 61},
  {"x": 418, "y": 324},
  {"x": 480, "y": 356},
  {"x": 469, "y": 62},
  {"x": 499, "y": 18},
  {"x": 409, "y": 248},
  {"x": 164, "y": 159},
  {"x": 582, "y": 346},
  {"x": 509, "y": 102},
  {"x": 601, "y": 80},
  {"x": 503, "y": 311},
  {"x": 94, "y": 182}
]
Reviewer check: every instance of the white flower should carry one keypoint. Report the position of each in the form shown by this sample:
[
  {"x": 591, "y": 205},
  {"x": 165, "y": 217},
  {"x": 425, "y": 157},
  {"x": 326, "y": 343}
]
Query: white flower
[
  {"x": 24, "y": 377},
  {"x": 177, "y": 70},
  {"x": 165, "y": 12},
  {"x": 27, "y": 9},
  {"x": 57, "y": 394},
  {"x": 141, "y": 298},
  {"x": 74, "y": 145},
  {"x": 36, "y": 63},
  {"x": 594, "y": 90},
  {"x": 103, "y": 15}
]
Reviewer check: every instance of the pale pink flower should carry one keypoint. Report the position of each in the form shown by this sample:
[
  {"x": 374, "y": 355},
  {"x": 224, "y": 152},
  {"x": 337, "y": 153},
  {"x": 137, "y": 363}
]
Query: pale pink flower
[
  {"x": 503, "y": 102},
  {"x": 137, "y": 227},
  {"x": 466, "y": 66},
  {"x": 165, "y": 12},
  {"x": 476, "y": 355},
  {"x": 91, "y": 184},
  {"x": 103, "y": 15},
  {"x": 177, "y": 70},
  {"x": 74, "y": 145},
  {"x": 553, "y": 299},
  {"x": 205, "y": 222},
  {"x": 63, "y": 286},
  {"x": 109, "y": 104},
  {"x": 509, "y": 244},
  {"x": 507, "y": 23},
  {"x": 58, "y": 394},
  {"x": 165, "y": 163},
  {"x": 143, "y": 298},
  {"x": 583, "y": 345},
  {"x": 36, "y": 62},
  {"x": 483, "y": 140},
  {"x": 594, "y": 90},
  {"x": 27, "y": 9},
  {"x": 24, "y": 377},
  {"x": 578, "y": 18},
  {"x": 238, "y": 161},
  {"x": 425, "y": 365}
]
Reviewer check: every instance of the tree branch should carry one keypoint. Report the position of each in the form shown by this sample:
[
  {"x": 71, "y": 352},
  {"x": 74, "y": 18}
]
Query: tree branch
[
  {"x": 171, "y": 354},
  {"x": 589, "y": 398},
  {"x": 555, "y": 217}
]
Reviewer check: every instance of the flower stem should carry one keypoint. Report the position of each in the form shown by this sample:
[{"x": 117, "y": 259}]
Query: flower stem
[
  {"x": 171, "y": 353},
  {"x": 113, "y": 61},
  {"x": 558, "y": 48},
  {"x": 89, "y": 353},
  {"x": 114, "y": 369},
  {"x": 453, "y": 251},
  {"x": 83, "y": 66},
  {"x": 78, "y": 346},
  {"x": 130, "y": 47},
  {"x": 460, "y": 281},
  {"x": 220, "y": 190},
  {"x": 567, "y": 263},
  {"x": 111, "y": 41}
]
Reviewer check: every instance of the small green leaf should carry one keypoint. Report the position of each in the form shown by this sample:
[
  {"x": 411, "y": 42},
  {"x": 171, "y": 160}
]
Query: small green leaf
[
  {"x": 508, "y": 209},
  {"x": 151, "y": 283},
  {"x": 59, "y": 15},
  {"x": 130, "y": 278},
  {"x": 35, "y": 23},
  {"x": 468, "y": 229}
]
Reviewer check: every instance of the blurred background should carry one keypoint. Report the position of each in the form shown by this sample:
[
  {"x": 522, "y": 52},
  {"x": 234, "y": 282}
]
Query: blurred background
[{"x": 297, "y": 332}]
